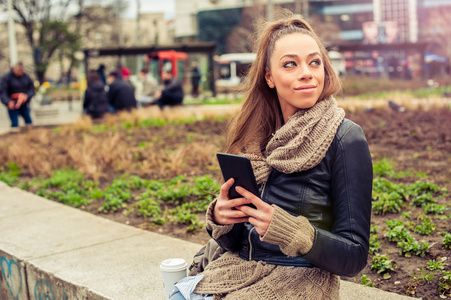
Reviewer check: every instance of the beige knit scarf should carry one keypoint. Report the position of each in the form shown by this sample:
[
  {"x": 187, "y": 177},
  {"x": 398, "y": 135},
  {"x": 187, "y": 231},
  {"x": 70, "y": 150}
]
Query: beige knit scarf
[{"x": 300, "y": 144}]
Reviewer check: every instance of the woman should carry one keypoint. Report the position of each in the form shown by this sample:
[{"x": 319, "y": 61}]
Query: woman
[
  {"x": 312, "y": 221},
  {"x": 95, "y": 103}
]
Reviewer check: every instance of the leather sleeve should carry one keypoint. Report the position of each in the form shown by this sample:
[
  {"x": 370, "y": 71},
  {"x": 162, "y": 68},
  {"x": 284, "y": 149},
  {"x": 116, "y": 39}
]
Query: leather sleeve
[{"x": 344, "y": 250}]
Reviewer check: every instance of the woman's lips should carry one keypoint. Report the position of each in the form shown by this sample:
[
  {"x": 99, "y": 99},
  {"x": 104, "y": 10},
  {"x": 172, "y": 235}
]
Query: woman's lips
[{"x": 306, "y": 88}]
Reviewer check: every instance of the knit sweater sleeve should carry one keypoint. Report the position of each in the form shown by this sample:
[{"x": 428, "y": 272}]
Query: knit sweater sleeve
[
  {"x": 294, "y": 235},
  {"x": 227, "y": 236}
]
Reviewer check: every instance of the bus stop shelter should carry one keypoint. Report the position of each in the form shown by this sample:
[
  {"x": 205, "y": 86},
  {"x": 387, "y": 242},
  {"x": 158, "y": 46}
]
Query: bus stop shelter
[{"x": 207, "y": 48}]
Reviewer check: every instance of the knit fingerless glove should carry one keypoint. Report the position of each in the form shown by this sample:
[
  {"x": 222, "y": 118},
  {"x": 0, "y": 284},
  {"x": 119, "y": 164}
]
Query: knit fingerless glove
[
  {"x": 294, "y": 235},
  {"x": 216, "y": 230}
]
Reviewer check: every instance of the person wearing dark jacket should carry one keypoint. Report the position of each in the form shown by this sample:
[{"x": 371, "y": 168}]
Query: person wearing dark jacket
[
  {"x": 172, "y": 93},
  {"x": 95, "y": 103},
  {"x": 121, "y": 95},
  {"x": 17, "y": 89}
]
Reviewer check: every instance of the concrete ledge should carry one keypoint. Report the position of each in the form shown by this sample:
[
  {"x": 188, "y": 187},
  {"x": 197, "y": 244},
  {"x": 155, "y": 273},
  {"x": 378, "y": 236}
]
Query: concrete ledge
[{"x": 51, "y": 251}]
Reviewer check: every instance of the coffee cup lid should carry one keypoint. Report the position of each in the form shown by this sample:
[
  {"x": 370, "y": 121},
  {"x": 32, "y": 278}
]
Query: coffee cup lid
[{"x": 173, "y": 265}]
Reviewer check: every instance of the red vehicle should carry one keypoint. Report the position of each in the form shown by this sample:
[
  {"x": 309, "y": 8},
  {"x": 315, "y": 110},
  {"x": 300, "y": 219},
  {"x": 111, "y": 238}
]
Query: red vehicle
[{"x": 178, "y": 61}]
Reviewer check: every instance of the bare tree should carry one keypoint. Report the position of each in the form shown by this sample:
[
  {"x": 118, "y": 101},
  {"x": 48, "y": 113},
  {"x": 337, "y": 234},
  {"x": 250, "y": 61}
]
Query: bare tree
[{"x": 46, "y": 29}]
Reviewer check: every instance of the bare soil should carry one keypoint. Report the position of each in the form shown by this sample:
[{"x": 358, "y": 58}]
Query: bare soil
[{"x": 416, "y": 141}]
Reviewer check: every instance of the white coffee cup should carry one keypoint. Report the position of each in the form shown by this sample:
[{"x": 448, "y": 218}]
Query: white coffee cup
[{"x": 172, "y": 270}]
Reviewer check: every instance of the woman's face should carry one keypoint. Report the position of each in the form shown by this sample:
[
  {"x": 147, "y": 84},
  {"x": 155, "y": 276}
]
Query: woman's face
[{"x": 296, "y": 72}]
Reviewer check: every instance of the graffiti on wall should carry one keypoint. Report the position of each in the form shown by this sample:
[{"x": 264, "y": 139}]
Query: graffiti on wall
[
  {"x": 13, "y": 277},
  {"x": 11, "y": 272}
]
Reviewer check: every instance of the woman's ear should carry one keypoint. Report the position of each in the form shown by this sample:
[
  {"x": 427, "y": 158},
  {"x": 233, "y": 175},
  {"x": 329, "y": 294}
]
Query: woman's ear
[{"x": 269, "y": 80}]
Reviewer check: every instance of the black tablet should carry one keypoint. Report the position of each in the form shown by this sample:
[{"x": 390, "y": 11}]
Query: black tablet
[{"x": 239, "y": 168}]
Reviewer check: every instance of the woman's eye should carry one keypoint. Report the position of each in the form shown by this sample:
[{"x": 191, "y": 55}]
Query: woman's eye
[
  {"x": 289, "y": 64},
  {"x": 316, "y": 62}
]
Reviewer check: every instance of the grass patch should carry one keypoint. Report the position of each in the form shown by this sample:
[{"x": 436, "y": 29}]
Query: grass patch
[{"x": 178, "y": 200}]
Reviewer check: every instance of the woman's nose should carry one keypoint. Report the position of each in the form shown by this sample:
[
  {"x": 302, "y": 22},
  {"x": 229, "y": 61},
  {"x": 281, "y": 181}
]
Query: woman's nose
[{"x": 304, "y": 72}]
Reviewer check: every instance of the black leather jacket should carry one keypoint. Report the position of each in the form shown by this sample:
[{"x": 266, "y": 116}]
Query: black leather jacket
[{"x": 335, "y": 196}]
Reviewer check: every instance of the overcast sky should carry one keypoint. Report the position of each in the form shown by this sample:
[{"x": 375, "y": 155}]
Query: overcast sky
[{"x": 154, "y": 6}]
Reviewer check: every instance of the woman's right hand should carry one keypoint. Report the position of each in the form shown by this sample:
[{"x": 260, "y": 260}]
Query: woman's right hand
[{"x": 224, "y": 212}]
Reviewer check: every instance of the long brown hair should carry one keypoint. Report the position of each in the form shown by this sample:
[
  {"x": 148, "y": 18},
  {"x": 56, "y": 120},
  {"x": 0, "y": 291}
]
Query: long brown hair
[{"x": 260, "y": 112}]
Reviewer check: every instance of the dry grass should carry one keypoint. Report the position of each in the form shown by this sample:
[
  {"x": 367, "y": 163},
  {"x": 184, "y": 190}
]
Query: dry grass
[{"x": 99, "y": 155}]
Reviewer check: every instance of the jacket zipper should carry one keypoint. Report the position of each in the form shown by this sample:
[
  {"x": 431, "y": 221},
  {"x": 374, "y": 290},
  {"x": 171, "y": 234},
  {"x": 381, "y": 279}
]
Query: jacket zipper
[{"x": 250, "y": 243}]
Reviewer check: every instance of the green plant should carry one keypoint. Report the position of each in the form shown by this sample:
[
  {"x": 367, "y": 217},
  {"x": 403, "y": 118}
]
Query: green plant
[
  {"x": 10, "y": 176},
  {"x": 394, "y": 223},
  {"x": 398, "y": 234},
  {"x": 411, "y": 247},
  {"x": 148, "y": 208},
  {"x": 374, "y": 244},
  {"x": 184, "y": 216},
  {"x": 382, "y": 265},
  {"x": 426, "y": 277},
  {"x": 432, "y": 208},
  {"x": 426, "y": 227},
  {"x": 383, "y": 167},
  {"x": 433, "y": 265},
  {"x": 423, "y": 199},
  {"x": 420, "y": 187},
  {"x": 67, "y": 186},
  {"x": 63, "y": 179},
  {"x": 444, "y": 284},
  {"x": 205, "y": 187},
  {"x": 111, "y": 203},
  {"x": 406, "y": 214},
  {"x": 388, "y": 197},
  {"x": 446, "y": 244},
  {"x": 364, "y": 280},
  {"x": 374, "y": 229}
]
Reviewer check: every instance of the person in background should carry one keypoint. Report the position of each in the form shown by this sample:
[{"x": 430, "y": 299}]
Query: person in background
[
  {"x": 101, "y": 71},
  {"x": 311, "y": 220},
  {"x": 146, "y": 87},
  {"x": 172, "y": 93},
  {"x": 95, "y": 103},
  {"x": 195, "y": 79},
  {"x": 17, "y": 89},
  {"x": 121, "y": 95}
]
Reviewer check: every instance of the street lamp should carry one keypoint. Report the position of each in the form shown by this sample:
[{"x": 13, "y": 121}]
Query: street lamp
[{"x": 12, "y": 35}]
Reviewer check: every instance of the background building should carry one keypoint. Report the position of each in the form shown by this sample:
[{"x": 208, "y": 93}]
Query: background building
[{"x": 230, "y": 23}]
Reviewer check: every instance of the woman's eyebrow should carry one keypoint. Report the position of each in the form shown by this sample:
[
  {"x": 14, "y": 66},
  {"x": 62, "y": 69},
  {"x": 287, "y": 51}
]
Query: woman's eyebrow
[{"x": 295, "y": 55}]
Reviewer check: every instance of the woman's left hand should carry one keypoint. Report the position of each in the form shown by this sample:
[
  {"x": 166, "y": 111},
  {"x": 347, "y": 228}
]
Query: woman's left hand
[{"x": 260, "y": 216}]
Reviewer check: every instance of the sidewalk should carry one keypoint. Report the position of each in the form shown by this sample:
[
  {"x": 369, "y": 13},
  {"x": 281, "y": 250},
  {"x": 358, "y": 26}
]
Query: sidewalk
[
  {"x": 58, "y": 113},
  {"x": 52, "y": 251}
]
